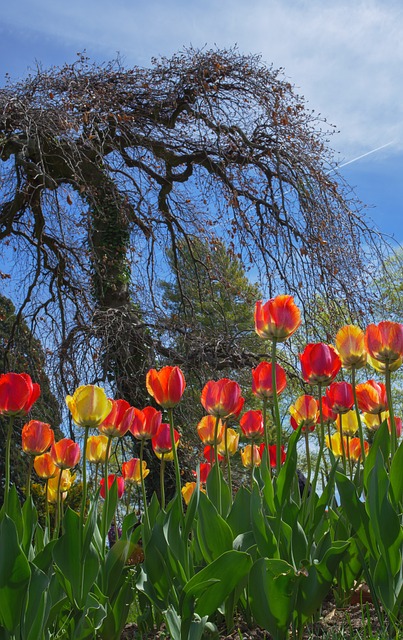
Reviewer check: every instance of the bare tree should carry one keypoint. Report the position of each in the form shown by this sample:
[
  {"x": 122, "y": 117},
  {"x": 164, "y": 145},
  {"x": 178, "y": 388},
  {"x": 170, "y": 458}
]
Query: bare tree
[{"x": 104, "y": 168}]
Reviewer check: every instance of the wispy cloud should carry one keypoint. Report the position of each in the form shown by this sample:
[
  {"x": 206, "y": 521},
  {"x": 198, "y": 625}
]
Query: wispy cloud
[{"x": 345, "y": 58}]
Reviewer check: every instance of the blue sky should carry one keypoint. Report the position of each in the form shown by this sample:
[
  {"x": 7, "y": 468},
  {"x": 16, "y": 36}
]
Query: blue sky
[{"x": 345, "y": 58}]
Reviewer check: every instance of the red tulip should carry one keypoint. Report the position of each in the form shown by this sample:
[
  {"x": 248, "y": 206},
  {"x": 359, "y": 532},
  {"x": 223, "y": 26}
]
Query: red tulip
[
  {"x": 208, "y": 453},
  {"x": 161, "y": 442},
  {"x": 328, "y": 414},
  {"x": 111, "y": 479},
  {"x": 273, "y": 455},
  {"x": 277, "y": 319},
  {"x": 145, "y": 424},
  {"x": 384, "y": 342},
  {"x": 65, "y": 453},
  {"x": 115, "y": 425},
  {"x": 222, "y": 398},
  {"x": 320, "y": 363},
  {"x": 340, "y": 396},
  {"x": 37, "y": 437},
  {"x": 371, "y": 397},
  {"x": 17, "y": 394},
  {"x": 262, "y": 380},
  {"x": 251, "y": 424},
  {"x": 166, "y": 386}
]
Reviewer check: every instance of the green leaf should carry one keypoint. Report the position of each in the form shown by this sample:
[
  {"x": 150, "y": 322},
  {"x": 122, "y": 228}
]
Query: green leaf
[
  {"x": 238, "y": 518},
  {"x": 286, "y": 476},
  {"x": 381, "y": 442},
  {"x": 218, "y": 491},
  {"x": 30, "y": 520},
  {"x": 37, "y": 607},
  {"x": 272, "y": 592},
  {"x": 396, "y": 476},
  {"x": 15, "y": 575},
  {"x": 213, "y": 533},
  {"x": 356, "y": 513},
  {"x": 384, "y": 520},
  {"x": 265, "y": 539},
  {"x": 213, "y": 584}
]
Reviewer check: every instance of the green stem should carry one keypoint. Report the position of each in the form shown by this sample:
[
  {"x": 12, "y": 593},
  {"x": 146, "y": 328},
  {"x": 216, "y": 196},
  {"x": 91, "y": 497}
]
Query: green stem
[
  {"x": 227, "y": 457},
  {"x": 253, "y": 465},
  {"x": 321, "y": 444},
  {"x": 357, "y": 413},
  {"x": 106, "y": 501},
  {"x": 393, "y": 437},
  {"x": 58, "y": 507},
  {"x": 162, "y": 481},
  {"x": 143, "y": 488},
  {"x": 7, "y": 462},
  {"x": 29, "y": 472},
  {"x": 275, "y": 406},
  {"x": 350, "y": 462},
  {"x": 47, "y": 508},
  {"x": 84, "y": 491},
  {"x": 308, "y": 465},
  {"x": 342, "y": 444},
  {"x": 266, "y": 431},
  {"x": 176, "y": 461}
]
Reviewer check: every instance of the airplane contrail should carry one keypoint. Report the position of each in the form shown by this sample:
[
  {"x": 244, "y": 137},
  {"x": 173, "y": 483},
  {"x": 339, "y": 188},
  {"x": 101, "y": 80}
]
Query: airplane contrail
[{"x": 363, "y": 155}]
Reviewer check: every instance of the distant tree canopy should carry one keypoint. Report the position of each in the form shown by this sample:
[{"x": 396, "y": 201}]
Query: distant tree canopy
[{"x": 105, "y": 168}]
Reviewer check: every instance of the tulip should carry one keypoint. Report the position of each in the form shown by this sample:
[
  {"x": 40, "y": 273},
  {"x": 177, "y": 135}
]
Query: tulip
[
  {"x": 355, "y": 449},
  {"x": 251, "y": 424},
  {"x": 336, "y": 445},
  {"x": 382, "y": 366},
  {"x": 17, "y": 394},
  {"x": 132, "y": 473},
  {"x": 371, "y": 397},
  {"x": 89, "y": 406},
  {"x": 44, "y": 466},
  {"x": 246, "y": 456},
  {"x": 205, "y": 468},
  {"x": 162, "y": 442},
  {"x": 188, "y": 490},
  {"x": 231, "y": 438},
  {"x": 320, "y": 363},
  {"x": 348, "y": 423},
  {"x": 277, "y": 319},
  {"x": 166, "y": 386},
  {"x": 207, "y": 429},
  {"x": 111, "y": 479},
  {"x": 52, "y": 495},
  {"x": 96, "y": 449},
  {"x": 222, "y": 398},
  {"x": 145, "y": 423},
  {"x": 209, "y": 454},
  {"x": 62, "y": 480},
  {"x": 384, "y": 342},
  {"x": 262, "y": 380},
  {"x": 65, "y": 453},
  {"x": 374, "y": 421},
  {"x": 328, "y": 415},
  {"x": 304, "y": 413},
  {"x": 340, "y": 396},
  {"x": 350, "y": 344},
  {"x": 273, "y": 454},
  {"x": 37, "y": 437},
  {"x": 116, "y": 424}
]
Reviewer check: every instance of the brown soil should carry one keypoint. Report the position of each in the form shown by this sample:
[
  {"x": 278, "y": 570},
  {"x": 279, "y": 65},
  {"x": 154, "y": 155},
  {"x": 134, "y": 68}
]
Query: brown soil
[{"x": 334, "y": 622}]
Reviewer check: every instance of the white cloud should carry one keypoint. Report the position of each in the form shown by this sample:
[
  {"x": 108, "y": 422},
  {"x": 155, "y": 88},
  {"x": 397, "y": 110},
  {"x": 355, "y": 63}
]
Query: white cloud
[{"x": 345, "y": 58}]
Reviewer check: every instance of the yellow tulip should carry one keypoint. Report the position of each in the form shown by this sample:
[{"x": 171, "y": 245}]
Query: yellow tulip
[
  {"x": 96, "y": 448},
  {"x": 232, "y": 443},
  {"x": 348, "y": 422},
  {"x": 89, "y": 405}
]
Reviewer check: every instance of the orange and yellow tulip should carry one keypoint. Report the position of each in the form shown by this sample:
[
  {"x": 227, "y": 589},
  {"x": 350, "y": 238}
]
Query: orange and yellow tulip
[
  {"x": 350, "y": 344},
  {"x": 304, "y": 413},
  {"x": 166, "y": 386},
  {"x": 207, "y": 427},
  {"x": 116, "y": 424},
  {"x": 131, "y": 471},
  {"x": 65, "y": 453},
  {"x": 37, "y": 437},
  {"x": 96, "y": 449},
  {"x": 277, "y": 319},
  {"x": 145, "y": 423},
  {"x": 246, "y": 456},
  {"x": 384, "y": 342},
  {"x": 371, "y": 397},
  {"x": 44, "y": 466},
  {"x": 222, "y": 398}
]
